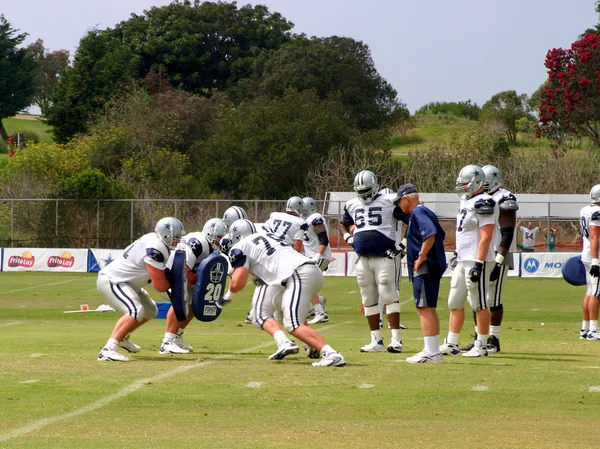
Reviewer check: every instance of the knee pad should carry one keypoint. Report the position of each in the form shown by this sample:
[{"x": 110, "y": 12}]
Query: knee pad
[
  {"x": 369, "y": 295},
  {"x": 148, "y": 311},
  {"x": 392, "y": 308},
  {"x": 372, "y": 310},
  {"x": 388, "y": 293},
  {"x": 494, "y": 308}
]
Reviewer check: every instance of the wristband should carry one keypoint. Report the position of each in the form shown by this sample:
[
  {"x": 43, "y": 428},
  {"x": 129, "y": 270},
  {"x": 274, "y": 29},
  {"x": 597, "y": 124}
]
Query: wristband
[
  {"x": 479, "y": 261},
  {"x": 422, "y": 254},
  {"x": 347, "y": 235},
  {"x": 317, "y": 257},
  {"x": 595, "y": 262},
  {"x": 229, "y": 294},
  {"x": 499, "y": 259}
]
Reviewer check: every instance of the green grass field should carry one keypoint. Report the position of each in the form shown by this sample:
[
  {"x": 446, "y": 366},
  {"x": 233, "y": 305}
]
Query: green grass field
[
  {"x": 541, "y": 391},
  {"x": 13, "y": 125}
]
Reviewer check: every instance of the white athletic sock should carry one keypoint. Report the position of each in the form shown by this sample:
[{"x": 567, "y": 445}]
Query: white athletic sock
[
  {"x": 495, "y": 331},
  {"x": 169, "y": 336},
  {"x": 280, "y": 337},
  {"x": 375, "y": 335},
  {"x": 318, "y": 309},
  {"x": 476, "y": 330},
  {"x": 112, "y": 344},
  {"x": 432, "y": 344},
  {"x": 180, "y": 331},
  {"x": 593, "y": 325},
  {"x": 483, "y": 339},
  {"x": 452, "y": 338},
  {"x": 585, "y": 325},
  {"x": 396, "y": 335},
  {"x": 327, "y": 349}
]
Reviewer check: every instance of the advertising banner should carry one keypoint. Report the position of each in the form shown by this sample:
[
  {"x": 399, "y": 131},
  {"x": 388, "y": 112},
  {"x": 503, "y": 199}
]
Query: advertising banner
[
  {"x": 99, "y": 258},
  {"x": 543, "y": 265},
  {"x": 45, "y": 259},
  {"x": 337, "y": 266}
]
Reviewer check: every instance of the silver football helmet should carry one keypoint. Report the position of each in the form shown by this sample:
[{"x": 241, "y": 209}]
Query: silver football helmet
[
  {"x": 366, "y": 186},
  {"x": 170, "y": 230},
  {"x": 240, "y": 229},
  {"x": 214, "y": 230},
  {"x": 595, "y": 194},
  {"x": 310, "y": 205},
  {"x": 295, "y": 205},
  {"x": 386, "y": 190},
  {"x": 470, "y": 180},
  {"x": 493, "y": 179},
  {"x": 232, "y": 214}
]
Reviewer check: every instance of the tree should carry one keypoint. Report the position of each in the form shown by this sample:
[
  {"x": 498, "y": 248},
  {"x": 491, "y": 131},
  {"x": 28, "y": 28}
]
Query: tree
[
  {"x": 337, "y": 66},
  {"x": 570, "y": 98},
  {"x": 17, "y": 82},
  {"x": 465, "y": 109},
  {"x": 505, "y": 108},
  {"x": 50, "y": 67}
]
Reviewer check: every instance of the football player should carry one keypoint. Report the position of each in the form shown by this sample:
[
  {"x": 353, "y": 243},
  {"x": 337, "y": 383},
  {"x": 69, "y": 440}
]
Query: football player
[
  {"x": 289, "y": 226},
  {"x": 316, "y": 246},
  {"x": 197, "y": 246},
  {"x": 291, "y": 279},
  {"x": 475, "y": 226},
  {"x": 504, "y": 245},
  {"x": 121, "y": 282},
  {"x": 232, "y": 214},
  {"x": 589, "y": 222},
  {"x": 373, "y": 219}
]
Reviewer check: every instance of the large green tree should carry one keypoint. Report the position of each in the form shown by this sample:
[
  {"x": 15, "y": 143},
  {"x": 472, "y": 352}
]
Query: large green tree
[
  {"x": 506, "y": 108},
  {"x": 17, "y": 81},
  {"x": 51, "y": 65}
]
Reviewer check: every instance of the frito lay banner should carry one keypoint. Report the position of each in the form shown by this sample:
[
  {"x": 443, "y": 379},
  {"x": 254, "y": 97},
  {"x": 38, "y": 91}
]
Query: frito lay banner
[{"x": 45, "y": 259}]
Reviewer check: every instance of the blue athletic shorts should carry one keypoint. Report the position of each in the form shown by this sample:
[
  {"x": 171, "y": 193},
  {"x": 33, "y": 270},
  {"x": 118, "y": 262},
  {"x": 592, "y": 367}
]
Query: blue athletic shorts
[{"x": 426, "y": 289}]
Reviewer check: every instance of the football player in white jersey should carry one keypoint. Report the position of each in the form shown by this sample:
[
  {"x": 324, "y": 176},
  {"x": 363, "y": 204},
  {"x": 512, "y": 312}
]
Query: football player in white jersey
[
  {"x": 232, "y": 214},
  {"x": 197, "y": 246},
  {"x": 289, "y": 226},
  {"x": 505, "y": 246},
  {"x": 279, "y": 267},
  {"x": 121, "y": 282},
  {"x": 475, "y": 226},
  {"x": 589, "y": 222},
  {"x": 316, "y": 246},
  {"x": 373, "y": 219}
]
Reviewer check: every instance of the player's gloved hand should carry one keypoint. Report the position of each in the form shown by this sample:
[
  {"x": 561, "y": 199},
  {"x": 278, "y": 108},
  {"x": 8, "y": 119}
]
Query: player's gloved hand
[
  {"x": 495, "y": 275},
  {"x": 475, "y": 272},
  {"x": 316, "y": 258},
  {"x": 399, "y": 248},
  {"x": 595, "y": 268},
  {"x": 453, "y": 261},
  {"x": 349, "y": 239},
  {"x": 226, "y": 299}
]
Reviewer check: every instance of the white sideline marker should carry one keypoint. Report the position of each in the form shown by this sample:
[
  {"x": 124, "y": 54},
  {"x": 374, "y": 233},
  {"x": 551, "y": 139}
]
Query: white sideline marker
[
  {"x": 36, "y": 355},
  {"x": 595, "y": 389},
  {"x": 480, "y": 388},
  {"x": 14, "y": 323},
  {"x": 31, "y": 381},
  {"x": 37, "y": 286},
  {"x": 364, "y": 386},
  {"x": 592, "y": 367},
  {"x": 254, "y": 384}
]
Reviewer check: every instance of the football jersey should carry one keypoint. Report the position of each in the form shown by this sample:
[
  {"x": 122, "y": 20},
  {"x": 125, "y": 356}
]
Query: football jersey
[
  {"x": 196, "y": 247},
  {"x": 286, "y": 226},
  {"x": 499, "y": 196},
  {"x": 529, "y": 236},
  {"x": 130, "y": 266},
  {"x": 589, "y": 216},
  {"x": 266, "y": 258},
  {"x": 311, "y": 240},
  {"x": 468, "y": 222},
  {"x": 375, "y": 224}
]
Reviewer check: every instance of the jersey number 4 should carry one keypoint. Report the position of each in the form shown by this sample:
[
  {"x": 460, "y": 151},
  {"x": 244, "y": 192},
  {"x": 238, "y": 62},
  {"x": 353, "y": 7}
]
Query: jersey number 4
[{"x": 373, "y": 217}]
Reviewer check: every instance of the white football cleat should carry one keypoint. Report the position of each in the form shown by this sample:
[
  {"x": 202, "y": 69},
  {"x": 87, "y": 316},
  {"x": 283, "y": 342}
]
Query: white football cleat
[
  {"x": 425, "y": 357},
  {"x": 171, "y": 347},
  {"x": 374, "y": 346},
  {"x": 583, "y": 334},
  {"x": 478, "y": 350},
  {"x": 179, "y": 341},
  {"x": 109, "y": 355},
  {"x": 331, "y": 359},
  {"x": 129, "y": 346},
  {"x": 287, "y": 348},
  {"x": 395, "y": 346},
  {"x": 449, "y": 348},
  {"x": 319, "y": 318}
]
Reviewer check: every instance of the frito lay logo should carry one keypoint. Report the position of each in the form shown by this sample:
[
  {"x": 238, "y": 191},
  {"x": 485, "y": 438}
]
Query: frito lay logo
[
  {"x": 24, "y": 260},
  {"x": 66, "y": 260}
]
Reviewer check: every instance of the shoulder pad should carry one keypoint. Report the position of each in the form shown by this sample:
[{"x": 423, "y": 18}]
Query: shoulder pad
[
  {"x": 155, "y": 254},
  {"x": 304, "y": 227},
  {"x": 237, "y": 258},
  {"x": 317, "y": 221},
  {"x": 508, "y": 202},
  {"x": 485, "y": 207},
  {"x": 595, "y": 216},
  {"x": 195, "y": 246}
]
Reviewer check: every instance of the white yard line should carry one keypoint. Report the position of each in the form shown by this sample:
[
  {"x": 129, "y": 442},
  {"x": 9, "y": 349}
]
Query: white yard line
[
  {"x": 480, "y": 388},
  {"x": 254, "y": 384},
  {"x": 363, "y": 386},
  {"x": 595, "y": 389},
  {"x": 14, "y": 323},
  {"x": 36, "y": 286},
  {"x": 131, "y": 388}
]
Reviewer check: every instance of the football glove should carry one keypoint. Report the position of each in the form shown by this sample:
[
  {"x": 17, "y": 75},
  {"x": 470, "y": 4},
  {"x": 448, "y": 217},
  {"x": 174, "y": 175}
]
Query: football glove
[
  {"x": 453, "y": 261},
  {"x": 495, "y": 274},
  {"x": 475, "y": 272},
  {"x": 349, "y": 239},
  {"x": 398, "y": 249},
  {"x": 595, "y": 269}
]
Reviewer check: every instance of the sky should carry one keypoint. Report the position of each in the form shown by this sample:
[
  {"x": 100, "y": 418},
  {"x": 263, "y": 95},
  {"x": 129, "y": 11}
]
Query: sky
[{"x": 428, "y": 50}]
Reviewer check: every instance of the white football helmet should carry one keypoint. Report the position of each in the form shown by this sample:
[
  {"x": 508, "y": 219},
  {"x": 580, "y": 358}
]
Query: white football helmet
[
  {"x": 366, "y": 186},
  {"x": 493, "y": 179},
  {"x": 232, "y": 214},
  {"x": 240, "y": 229},
  {"x": 595, "y": 194},
  {"x": 470, "y": 180},
  {"x": 295, "y": 205},
  {"x": 386, "y": 190},
  {"x": 310, "y": 205},
  {"x": 170, "y": 230},
  {"x": 214, "y": 230}
]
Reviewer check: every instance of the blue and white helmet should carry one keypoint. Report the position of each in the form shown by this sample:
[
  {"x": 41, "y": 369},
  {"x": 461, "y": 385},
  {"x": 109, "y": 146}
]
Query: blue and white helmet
[
  {"x": 232, "y": 214},
  {"x": 366, "y": 186},
  {"x": 386, "y": 190},
  {"x": 469, "y": 180},
  {"x": 310, "y": 205},
  {"x": 493, "y": 179},
  {"x": 595, "y": 194},
  {"x": 240, "y": 229},
  {"x": 170, "y": 230},
  {"x": 295, "y": 205},
  {"x": 214, "y": 230}
]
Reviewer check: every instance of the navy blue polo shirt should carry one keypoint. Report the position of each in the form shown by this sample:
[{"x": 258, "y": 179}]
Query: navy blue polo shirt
[{"x": 424, "y": 223}]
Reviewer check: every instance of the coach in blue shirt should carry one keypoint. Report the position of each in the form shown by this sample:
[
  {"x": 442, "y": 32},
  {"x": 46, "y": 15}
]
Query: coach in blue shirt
[{"x": 426, "y": 264}]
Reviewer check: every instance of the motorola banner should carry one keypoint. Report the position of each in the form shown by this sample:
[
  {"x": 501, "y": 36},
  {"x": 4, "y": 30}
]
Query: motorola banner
[{"x": 543, "y": 265}]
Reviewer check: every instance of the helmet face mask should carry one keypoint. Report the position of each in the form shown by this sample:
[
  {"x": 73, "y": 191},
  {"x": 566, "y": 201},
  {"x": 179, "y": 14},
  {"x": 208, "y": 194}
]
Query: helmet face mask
[
  {"x": 493, "y": 179},
  {"x": 295, "y": 205},
  {"x": 595, "y": 194},
  {"x": 214, "y": 230},
  {"x": 170, "y": 230},
  {"x": 310, "y": 205},
  {"x": 366, "y": 186},
  {"x": 240, "y": 229},
  {"x": 232, "y": 214},
  {"x": 469, "y": 180}
]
